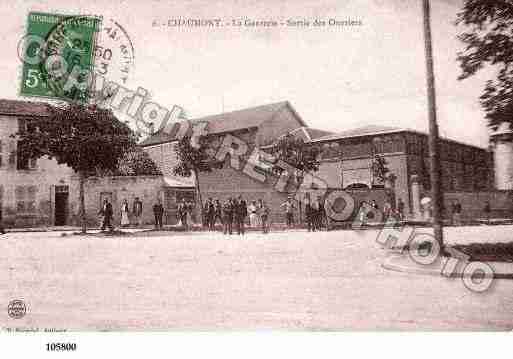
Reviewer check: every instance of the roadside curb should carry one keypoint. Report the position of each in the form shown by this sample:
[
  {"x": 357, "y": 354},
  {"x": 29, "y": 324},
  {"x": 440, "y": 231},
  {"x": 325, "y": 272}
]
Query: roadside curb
[{"x": 403, "y": 263}]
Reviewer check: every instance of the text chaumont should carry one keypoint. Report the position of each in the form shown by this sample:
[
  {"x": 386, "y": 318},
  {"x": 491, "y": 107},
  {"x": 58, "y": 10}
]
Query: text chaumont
[{"x": 191, "y": 22}]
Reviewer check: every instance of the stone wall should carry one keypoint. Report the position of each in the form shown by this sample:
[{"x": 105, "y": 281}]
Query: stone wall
[
  {"x": 118, "y": 188},
  {"x": 473, "y": 203}
]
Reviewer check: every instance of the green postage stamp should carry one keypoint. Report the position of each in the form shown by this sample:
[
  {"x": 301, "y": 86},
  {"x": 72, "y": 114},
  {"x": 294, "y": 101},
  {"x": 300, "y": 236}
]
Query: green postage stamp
[{"x": 58, "y": 55}]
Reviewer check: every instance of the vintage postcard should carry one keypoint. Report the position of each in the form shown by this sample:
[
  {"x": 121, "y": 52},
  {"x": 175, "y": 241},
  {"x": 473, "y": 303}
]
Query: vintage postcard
[{"x": 239, "y": 165}]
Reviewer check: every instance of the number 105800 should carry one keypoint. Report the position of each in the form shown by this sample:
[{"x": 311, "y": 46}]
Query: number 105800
[{"x": 60, "y": 347}]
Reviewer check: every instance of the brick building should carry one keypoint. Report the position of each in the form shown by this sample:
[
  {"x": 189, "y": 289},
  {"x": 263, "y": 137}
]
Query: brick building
[
  {"x": 348, "y": 156},
  {"x": 346, "y": 160}
]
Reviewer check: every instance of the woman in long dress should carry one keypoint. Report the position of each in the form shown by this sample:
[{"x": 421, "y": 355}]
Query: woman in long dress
[
  {"x": 264, "y": 216},
  {"x": 189, "y": 208},
  {"x": 253, "y": 216},
  {"x": 124, "y": 214}
]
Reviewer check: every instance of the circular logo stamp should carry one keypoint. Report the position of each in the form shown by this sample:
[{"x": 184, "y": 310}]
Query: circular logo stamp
[
  {"x": 76, "y": 47},
  {"x": 16, "y": 309},
  {"x": 114, "y": 53}
]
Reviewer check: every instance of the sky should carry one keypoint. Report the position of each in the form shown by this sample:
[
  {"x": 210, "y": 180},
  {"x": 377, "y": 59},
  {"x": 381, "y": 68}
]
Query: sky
[{"x": 336, "y": 77}]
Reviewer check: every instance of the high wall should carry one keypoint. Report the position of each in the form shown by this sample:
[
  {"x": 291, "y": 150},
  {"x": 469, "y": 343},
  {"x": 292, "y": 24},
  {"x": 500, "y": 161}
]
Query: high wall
[
  {"x": 118, "y": 188},
  {"x": 229, "y": 182},
  {"x": 473, "y": 203},
  {"x": 358, "y": 170}
]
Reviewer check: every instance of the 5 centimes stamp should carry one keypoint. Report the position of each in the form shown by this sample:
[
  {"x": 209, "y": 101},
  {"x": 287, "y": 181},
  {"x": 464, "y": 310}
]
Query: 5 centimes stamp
[
  {"x": 58, "y": 55},
  {"x": 16, "y": 309},
  {"x": 114, "y": 52}
]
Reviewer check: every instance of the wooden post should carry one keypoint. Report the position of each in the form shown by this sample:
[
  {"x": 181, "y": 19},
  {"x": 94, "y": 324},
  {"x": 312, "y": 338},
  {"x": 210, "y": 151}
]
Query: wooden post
[{"x": 434, "y": 155}]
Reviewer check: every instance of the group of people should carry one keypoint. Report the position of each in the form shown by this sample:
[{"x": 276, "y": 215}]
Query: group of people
[
  {"x": 232, "y": 215},
  {"x": 388, "y": 211},
  {"x": 315, "y": 213},
  {"x": 129, "y": 217}
]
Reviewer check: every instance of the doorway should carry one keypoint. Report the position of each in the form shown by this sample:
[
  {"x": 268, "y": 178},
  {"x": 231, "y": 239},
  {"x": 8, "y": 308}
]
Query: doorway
[{"x": 61, "y": 205}]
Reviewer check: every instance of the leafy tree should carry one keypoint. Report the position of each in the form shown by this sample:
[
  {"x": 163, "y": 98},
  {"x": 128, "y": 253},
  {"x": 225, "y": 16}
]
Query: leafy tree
[
  {"x": 193, "y": 160},
  {"x": 379, "y": 168},
  {"x": 87, "y": 138},
  {"x": 137, "y": 162},
  {"x": 489, "y": 42},
  {"x": 295, "y": 152}
]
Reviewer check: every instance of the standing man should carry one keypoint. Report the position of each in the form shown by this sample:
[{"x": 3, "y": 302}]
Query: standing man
[
  {"x": 227, "y": 216},
  {"x": 264, "y": 216},
  {"x": 289, "y": 211},
  {"x": 137, "y": 211},
  {"x": 322, "y": 222},
  {"x": 400, "y": 209},
  {"x": 387, "y": 210},
  {"x": 107, "y": 212},
  {"x": 211, "y": 214},
  {"x": 218, "y": 212},
  {"x": 456, "y": 213},
  {"x": 309, "y": 214},
  {"x": 241, "y": 212},
  {"x": 158, "y": 212},
  {"x": 182, "y": 214},
  {"x": 2, "y": 230},
  {"x": 316, "y": 214},
  {"x": 204, "y": 214}
]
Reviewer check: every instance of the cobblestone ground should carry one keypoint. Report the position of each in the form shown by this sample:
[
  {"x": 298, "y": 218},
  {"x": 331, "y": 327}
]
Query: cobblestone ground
[{"x": 294, "y": 281}]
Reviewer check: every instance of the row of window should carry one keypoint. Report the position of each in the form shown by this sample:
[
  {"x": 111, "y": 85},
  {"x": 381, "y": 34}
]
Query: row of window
[
  {"x": 25, "y": 197},
  {"x": 410, "y": 143},
  {"x": 363, "y": 147},
  {"x": 16, "y": 157},
  {"x": 449, "y": 151},
  {"x": 456, "y": 176}
]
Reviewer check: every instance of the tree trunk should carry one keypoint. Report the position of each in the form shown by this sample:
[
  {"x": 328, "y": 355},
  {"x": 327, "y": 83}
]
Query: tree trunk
[
  {"x": 198, "y": 199},
  {"x": 81, "y": 180}
]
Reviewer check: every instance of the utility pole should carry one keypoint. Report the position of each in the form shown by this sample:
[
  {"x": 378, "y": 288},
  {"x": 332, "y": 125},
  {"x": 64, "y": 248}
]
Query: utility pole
[{"x": 434, "y": 153}]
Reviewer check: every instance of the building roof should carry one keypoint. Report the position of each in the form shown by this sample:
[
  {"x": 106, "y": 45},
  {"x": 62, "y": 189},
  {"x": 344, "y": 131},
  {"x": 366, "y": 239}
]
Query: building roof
[
  {"x": 307, "y": 134},
  {"x": 315, "y": 133},
  {"x": 363, "y": 131},
  {"x": 23, "y": 108},
  {"x": 229, "y": 121},
  {"x": 373, "y": 130}
]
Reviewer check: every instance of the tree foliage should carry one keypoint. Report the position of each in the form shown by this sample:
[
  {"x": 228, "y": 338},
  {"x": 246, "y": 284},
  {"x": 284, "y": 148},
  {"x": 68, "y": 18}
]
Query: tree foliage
[
  {"x": 137, "y": 162},
  {"x": 295, "y": 152},
  {"x": 192, "y": 159},
  {"x": 87, "y": 138},
  {"x": 489, "y": 42},
  {"x": 379, "y": 168}
]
